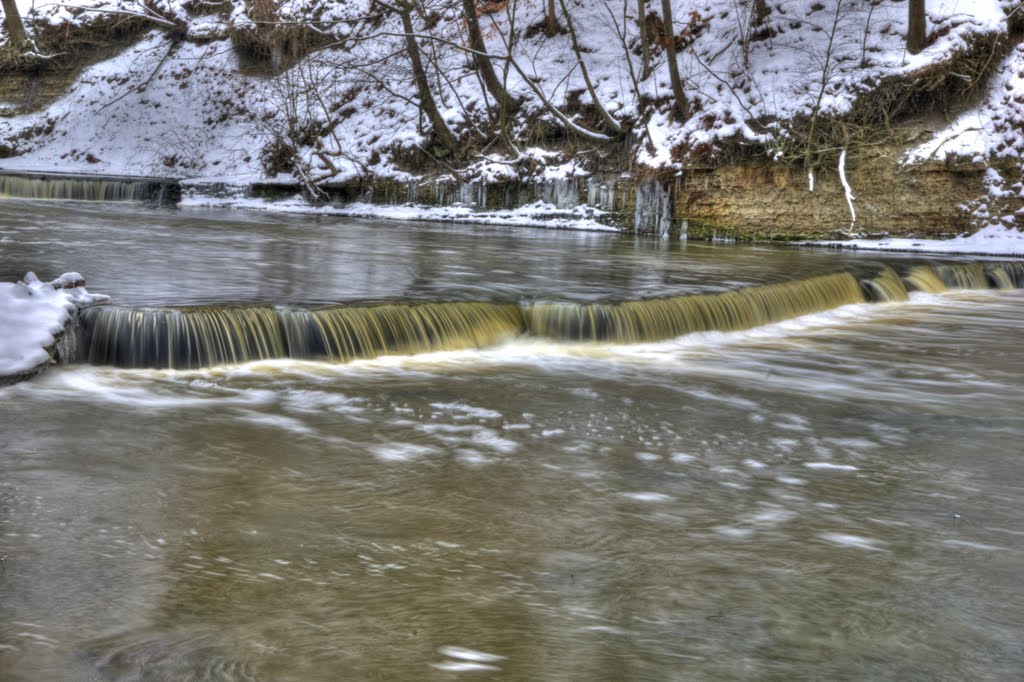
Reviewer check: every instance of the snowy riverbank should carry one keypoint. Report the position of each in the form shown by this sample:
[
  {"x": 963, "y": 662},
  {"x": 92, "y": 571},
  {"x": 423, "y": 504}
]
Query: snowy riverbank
[
  {"x": 33, "y": 317},
  {"x": 773, "y": 101},
  {"x": 990, "y": 241}
]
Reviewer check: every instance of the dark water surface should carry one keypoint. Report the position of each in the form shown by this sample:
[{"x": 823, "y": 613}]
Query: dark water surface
[{"x": 840, "y": 496}]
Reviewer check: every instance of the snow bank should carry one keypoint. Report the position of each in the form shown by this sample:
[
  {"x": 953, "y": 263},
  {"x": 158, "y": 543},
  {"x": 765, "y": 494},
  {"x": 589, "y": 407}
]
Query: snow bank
[
  {"x": 994, "y": 240},
  {"x": 33, "y": 315},
  {"x": 186, "y": 108},
  {"x": 538, "y": 214},
  {"x": 993, "y": 130}
]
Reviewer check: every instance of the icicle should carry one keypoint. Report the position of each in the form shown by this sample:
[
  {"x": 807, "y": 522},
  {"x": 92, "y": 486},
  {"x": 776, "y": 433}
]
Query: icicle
[
  {"x": 810, "y": 179},
  {"x": 846, "y": 186}
]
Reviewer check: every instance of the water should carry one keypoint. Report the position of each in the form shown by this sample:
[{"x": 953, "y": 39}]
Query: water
[{"x": 836, "y": 496}]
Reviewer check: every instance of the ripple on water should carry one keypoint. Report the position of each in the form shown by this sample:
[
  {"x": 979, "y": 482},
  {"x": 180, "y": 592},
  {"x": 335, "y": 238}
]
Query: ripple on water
[
  {"x": 830, "y": 466},
  {"x": 164, "y": 656},
  {"x": 849, "y": 540}
]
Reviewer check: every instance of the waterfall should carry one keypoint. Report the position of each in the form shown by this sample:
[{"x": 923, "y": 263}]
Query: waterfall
[
  {"x": 1007, "y": 275},
  {"x": 201, "y": 337},
  {"x": 204, "y": 336},
  {"x": 344, "y": 333},
  {"x": 962, "y": 275},
  {"x": 85, "y": 188},
  {"x": 181, "y": 338},
  {"x": 886, "y": 286},
  {"x": 923, "y": 278},
  {"x": 664, "y": 318}
]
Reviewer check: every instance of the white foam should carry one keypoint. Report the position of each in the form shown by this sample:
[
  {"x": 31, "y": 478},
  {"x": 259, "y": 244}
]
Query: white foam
[
  {"x": 734, "y": 532},
  {"x": 277, "y": 421},
  {"x": 466, "y": 654},
  {"x": 465, "y": 411},
  {"x": 648, "y": 497},
  {"x": 973, "y": 545},
  {"x": 489, "y": 438},
  {"x": 830, "y": 466},
  {"x": 463, "y": 666},
  {"x": 848, "y": 540},
  {"x": 401, "y": 452}
]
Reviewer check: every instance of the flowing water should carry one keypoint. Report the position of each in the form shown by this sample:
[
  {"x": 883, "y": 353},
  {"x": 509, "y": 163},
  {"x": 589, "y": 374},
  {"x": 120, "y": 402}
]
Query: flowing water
[{"x": 835, "y": 495}]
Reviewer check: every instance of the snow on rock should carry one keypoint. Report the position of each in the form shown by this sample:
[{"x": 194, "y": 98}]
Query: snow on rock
[{"x": 33, "y": 315}]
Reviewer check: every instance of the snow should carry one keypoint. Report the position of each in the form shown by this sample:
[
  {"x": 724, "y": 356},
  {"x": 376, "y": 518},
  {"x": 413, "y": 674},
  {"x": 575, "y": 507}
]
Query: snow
[
  {"x": 188, "y": 120},
  {"x": 187, "y": 109},
  {"x": 33, "y": 315},
  {"x": 195, "y": 104},
  {"x": 993, "y": 240},
  {"x": 994, "y": 129},
  {"x": 538, "y": 214}
]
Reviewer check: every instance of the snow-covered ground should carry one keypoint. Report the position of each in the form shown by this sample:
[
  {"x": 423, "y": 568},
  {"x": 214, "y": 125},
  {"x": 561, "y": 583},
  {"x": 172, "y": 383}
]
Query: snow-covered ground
[
  {"x": 990, "y": 241},
  {"x": 33, "y": 315},
  {"x": 539, "y": 214},
  {"x": 187, "y": 108}
]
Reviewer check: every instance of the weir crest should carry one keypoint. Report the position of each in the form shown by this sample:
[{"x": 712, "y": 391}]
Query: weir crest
[{"x": 188, "y": 338}]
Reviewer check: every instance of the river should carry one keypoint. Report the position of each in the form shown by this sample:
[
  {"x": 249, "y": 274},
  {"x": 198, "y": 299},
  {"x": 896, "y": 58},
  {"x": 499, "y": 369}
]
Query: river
[{"x": 836, "y": 496}]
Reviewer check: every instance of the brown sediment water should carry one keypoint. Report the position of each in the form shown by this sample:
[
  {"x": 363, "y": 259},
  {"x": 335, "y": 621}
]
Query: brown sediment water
[{"x": 830, "y": 496}]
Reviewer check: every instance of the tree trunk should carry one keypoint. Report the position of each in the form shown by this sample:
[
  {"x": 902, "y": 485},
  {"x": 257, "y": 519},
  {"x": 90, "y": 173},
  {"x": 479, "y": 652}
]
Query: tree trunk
[
  {"x": 917, "y": 27},
  {"x": 761, "y": 11},
  {"x": 645, "y": 39},
  {"x": 682, "y": 104},
  {"x": 605, "y": 116},
  {"x": 17, "y": 37},
  {"x": 551, "y": 18},
  {"x": 428, "y": 106},
  {"x": 483, "y": 60},
  {"x": 263, "y": 11}
]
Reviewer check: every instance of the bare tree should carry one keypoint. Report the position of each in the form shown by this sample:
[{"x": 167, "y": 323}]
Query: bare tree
[
  {"x": 917, "y": 26},
  {"x": 761, "y": 12},
  {"x": 645, "y": 39},
  {"x": 428, "y": 105},
  {"x": 551, "y": 18},
  {"x": 605, "y": 116},
  {"x": 482, "y": 60},
  {"x": 682, "y": 103},
  {"x": 18, "y": 39}
]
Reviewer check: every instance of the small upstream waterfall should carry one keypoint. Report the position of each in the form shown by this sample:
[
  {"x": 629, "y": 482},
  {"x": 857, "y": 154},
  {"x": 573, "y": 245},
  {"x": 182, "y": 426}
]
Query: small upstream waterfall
[
  {"x": 81, "y": 188},
  {"x": 200, "y": 337}
]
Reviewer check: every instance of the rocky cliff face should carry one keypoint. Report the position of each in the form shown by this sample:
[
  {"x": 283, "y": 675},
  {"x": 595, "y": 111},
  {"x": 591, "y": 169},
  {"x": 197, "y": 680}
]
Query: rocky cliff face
[{"x": 762, "y": 201}]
